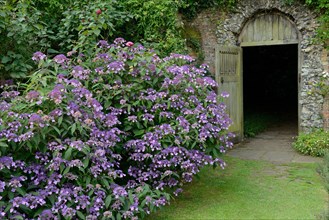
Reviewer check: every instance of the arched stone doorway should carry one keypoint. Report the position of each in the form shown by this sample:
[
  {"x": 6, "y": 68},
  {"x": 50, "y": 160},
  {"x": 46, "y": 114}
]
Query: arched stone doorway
[
  {"x": 269, "y": 23},
  {"x": 259, "y": 32}
]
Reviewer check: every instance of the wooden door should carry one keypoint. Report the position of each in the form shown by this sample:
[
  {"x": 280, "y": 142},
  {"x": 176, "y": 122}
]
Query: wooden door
[
  {"x": 268, "y": 29},
  {"x": 229, "y": 79}
]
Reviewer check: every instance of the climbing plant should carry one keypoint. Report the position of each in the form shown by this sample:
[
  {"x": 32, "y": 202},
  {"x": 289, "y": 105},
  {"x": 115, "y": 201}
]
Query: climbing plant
[{"x": 322, "y": 7}]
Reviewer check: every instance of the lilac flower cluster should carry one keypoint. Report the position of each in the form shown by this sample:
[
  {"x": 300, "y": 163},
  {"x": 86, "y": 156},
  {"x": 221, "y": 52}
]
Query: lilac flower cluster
[{"x": 106, "y": 133}]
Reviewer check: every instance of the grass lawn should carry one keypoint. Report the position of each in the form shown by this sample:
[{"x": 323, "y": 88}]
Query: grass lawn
[{"x": 250, "y": 190}]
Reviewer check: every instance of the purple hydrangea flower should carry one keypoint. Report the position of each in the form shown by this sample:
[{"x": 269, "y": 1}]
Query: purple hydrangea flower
[
  {"x": 119, "y": 192},
  {"x": 16, "y": 182},
  {"x": 2, "y": 186},
  {"x": 132, "y": 118},
  {"x": 32, "y": 95},
  {"x": 119, "y": 41},
  {"x": 225, "y": 94},
  {"x": 37, "y": 56},
  {"x": 4, "y": 106},
  {"x": 47, "y": 215},
  {"x": 116, "y": 66},
  {"x": 60, "y": 59},
  {"x": 103, "y": 44},
  {"x": 10, "y": 94}
]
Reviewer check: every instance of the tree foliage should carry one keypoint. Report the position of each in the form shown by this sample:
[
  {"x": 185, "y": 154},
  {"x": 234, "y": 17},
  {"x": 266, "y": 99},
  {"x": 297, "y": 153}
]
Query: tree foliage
[{"x": 57, "y": 26}]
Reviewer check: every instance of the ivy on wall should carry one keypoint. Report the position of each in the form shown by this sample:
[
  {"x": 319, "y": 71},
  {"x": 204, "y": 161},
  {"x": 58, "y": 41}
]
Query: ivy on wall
[{"x": 322, "y": 7}]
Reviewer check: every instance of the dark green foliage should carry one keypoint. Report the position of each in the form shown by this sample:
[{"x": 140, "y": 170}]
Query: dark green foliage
[
  {"x": 53, "y": 26},
  {"x": 193, "y": 42},
  {"x": 322, "y": 7},
  {"x": 21, "y": 32},
  {"x": 315, "y": 143},
  {"x": 155, "y": 23},
  {"x": 190, "y": 8},
  {"x": 57, "y": 26}
]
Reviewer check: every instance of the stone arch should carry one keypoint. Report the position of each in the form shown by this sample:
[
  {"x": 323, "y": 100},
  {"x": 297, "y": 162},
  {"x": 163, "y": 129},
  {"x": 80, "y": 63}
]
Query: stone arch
[
  {"x": 311, "y": 68},
  {"x": 269, "y": 28},
  {"x": 230, "y": 28}
]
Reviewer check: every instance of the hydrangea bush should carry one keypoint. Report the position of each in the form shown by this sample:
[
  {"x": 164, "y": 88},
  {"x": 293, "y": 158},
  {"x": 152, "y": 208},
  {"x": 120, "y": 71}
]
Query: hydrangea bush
[{"x": 107, "y": 137}]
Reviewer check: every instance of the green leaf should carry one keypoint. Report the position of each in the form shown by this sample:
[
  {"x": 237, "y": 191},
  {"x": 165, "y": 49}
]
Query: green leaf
[
  {"x": 68, "y": 153},
  {"x": 97, "y": 32},
  {"x": 60, "y": 120},
  {"x": 108, "y": 201},
  {"x": 138, "y": 132},
  {"x": 73, "y": 128},
  {"x": 106, "y": 183},
  {"x": 215, "y": 152},
  {"x": 52, "y": 199},
  {"x": 57, "y": 130},
  {"x": 85, "y": 163},
  {"x": 81, "y": 215},
  {"x": 21, "y": 191},
  {"x": 10, "y": 34},
  {"x": 11, "y": 195},
  {"x": 38, "y": 212},
  {"x": 88, "y": 180},
  {"x": 7, "y": 208},
  {"x": 143, "y": 203},
  {"x": 131, "y": 198},
  {"x": 127, "y": 128},
  {"x": 139, "y": 126},
  {"x": 67, "y": 169},
  {"x": 3, "y": 144},
  {"x": 5, "y": 59}
]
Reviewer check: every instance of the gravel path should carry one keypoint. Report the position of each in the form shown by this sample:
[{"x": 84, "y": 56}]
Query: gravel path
[{"x": 272, "y": 145}]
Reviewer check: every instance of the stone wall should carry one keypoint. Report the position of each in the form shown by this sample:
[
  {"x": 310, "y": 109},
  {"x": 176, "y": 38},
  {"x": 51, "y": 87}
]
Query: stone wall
[
  {"x": 207, "y": 22},
  {"x": 224, "y": 27},
  {"x": 325, "y": 111}
]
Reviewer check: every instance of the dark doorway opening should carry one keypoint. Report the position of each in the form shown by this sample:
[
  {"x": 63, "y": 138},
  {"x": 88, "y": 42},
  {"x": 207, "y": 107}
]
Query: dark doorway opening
[{"x": 270, "y": 81}]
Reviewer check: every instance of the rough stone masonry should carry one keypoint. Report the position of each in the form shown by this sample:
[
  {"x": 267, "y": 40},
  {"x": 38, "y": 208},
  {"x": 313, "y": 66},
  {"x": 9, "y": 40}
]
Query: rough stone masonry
[{"x": 224, "y": 27}]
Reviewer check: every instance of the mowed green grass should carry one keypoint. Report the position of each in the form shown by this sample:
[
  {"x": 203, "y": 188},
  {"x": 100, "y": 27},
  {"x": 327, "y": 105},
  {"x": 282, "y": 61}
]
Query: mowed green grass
[{"x": 250, "y": 190}]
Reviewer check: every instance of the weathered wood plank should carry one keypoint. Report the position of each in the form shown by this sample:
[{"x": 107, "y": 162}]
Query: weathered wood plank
[
  {"x": 228, "y": 68},
  {"x": 281, "y": 28},
  {"x": 257, "y": 30},
  {"x": 294, "y": 33},
  {"x": 262, "y": 27},
  {"x": 269, "y": 28},
  {"x": 275, "y": 27},
  {"x": 250, "y": 34},
  {"x": 265, "y": 43},
  {"x": 287, "y": 29}
]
